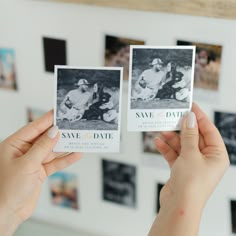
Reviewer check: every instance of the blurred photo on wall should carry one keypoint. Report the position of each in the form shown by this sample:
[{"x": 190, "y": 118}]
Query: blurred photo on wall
[
  {"x": 119, "y": 183},
  {"x": 226, "y": 124},
  {"x": 64, "y": 190},
  {"x": 149, "y": 142},
  {"x": 8, "y": 69},
  {"x": 207, "y": 64},
  {"x": 117, "y": 52}
]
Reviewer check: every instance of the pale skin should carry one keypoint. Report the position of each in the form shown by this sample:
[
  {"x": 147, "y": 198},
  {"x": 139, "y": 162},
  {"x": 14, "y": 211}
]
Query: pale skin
[
  {"x": 26, "y": 159},
  {"x": 198, "y": 159}
]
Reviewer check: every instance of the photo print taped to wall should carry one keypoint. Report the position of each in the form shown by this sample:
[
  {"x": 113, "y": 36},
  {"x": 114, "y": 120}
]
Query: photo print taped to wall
[
  {"x": 233, "y": 215},
  {"x": 208, "y": 60},
  {"x": 160, "y": 87},
  {"x": 117, "y": 52},
  {"x": 119, "y": 183},
  {"x": 148, "y": 140},
  {"x": 8, "y": 76},
  {"x": 88, "y": 108},
  {"x": 226, "y": 124},
  {"x": 64, "y": 190},
  {"x": 54, "y": 53}
]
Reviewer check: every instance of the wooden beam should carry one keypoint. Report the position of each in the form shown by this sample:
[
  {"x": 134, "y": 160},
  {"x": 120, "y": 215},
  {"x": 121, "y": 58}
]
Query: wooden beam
[{"x": 210, "y": 8}]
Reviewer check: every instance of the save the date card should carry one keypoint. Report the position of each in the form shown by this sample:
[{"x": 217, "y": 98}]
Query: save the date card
[
  {"x": 87, "y": 108},
  {"x": 160, "y": 87}
]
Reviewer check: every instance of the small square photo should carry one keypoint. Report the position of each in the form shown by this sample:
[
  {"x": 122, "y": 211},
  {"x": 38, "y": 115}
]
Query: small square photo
[
  {"x": 226, "y": 124},
  {"x": 64, "y": 190},
  {"x": 7, "y": 69},
  {"x": 119, "y": 183},
  {"x": 54, "y": 53}
]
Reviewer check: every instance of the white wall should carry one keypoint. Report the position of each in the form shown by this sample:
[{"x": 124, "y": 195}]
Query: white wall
[
  {"x": 39, "y": 228},
  {"x": 24, "y": 22}
]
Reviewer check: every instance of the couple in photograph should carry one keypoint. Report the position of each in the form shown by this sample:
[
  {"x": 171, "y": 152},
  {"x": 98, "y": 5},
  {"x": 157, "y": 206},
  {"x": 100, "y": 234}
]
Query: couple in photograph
[
  {"x": 161, "y": 82},
  {"x": 88, "y": 102}
]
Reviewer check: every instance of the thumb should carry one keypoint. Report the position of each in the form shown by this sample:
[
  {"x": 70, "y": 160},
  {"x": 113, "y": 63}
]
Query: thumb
[
  {"x": 43, "y": 145},
  {"x": 189, "y": 133}
]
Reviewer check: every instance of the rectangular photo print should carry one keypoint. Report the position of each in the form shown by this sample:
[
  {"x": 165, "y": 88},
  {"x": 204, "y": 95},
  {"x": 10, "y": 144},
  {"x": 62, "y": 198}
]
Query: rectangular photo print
[
  {"x": 64, "y": 190},
  {"x": 207, "y": 65},
  {"x": 117, "y": 52},
  {"x": 88, "y": 108},
  {"x": 160, "y": 87},
  {"x": 54, "y": 53},
  {"x": 119, "y": 183},
  {"x": 7, "y": 69},
  {"x": 233, "y": 216},
  {"x": 149, "y": 142},
  {"x": 226, "y": 124}
]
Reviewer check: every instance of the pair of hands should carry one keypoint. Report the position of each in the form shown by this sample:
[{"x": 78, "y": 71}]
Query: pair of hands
[{"x": 197, "y": 158}]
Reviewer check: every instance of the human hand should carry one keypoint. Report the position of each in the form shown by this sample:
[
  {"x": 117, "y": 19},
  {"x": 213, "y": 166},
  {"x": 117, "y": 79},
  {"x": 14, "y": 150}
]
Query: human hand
[
  {"x": 198, "y": 159},
  {"x": 26, "y": 159}
]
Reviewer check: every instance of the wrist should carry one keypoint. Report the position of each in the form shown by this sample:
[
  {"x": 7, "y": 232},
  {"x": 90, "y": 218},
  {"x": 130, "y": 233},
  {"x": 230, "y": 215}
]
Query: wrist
[
  {"x": 9, "y": 222},
  {"x": 183, "y": 204},
  {"x": 179, "y": 215},
  {"x": 186, "y": 199}
]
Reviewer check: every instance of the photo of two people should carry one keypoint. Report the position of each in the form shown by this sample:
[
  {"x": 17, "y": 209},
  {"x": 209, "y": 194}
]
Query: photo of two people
[
  {"x": 88, "y": 99},
  {"x": 161, "y": 78}
]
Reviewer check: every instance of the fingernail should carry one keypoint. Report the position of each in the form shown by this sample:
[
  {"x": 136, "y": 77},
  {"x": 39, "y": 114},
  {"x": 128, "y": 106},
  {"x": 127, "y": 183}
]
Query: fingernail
[
  {"x": 52, "y": 132},
  {"x": 191, "y": 120}
]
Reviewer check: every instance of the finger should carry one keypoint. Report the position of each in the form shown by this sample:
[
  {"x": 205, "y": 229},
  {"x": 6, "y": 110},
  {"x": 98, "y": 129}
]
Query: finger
[
  {"x": 169, "y": 154},
  {"x": 16, "y": 147},
  {"x": 54, "y": 155},
  {"x": 61, "y": 163},
  {"x": 202, "y": 144},
  {"x": 189, "y": 134},
  {"x": 31, "y": 131},
  {"x": 173, "y": 139},
  {"x": 43, "y": 146},
  {"x": 207, "y": 129}
]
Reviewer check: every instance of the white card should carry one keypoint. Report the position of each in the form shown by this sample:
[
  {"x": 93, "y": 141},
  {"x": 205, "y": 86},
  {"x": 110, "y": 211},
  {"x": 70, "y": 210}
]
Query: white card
[
  {"x": 87, "y": 108},
  {"x": 160, "y": 87}
]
